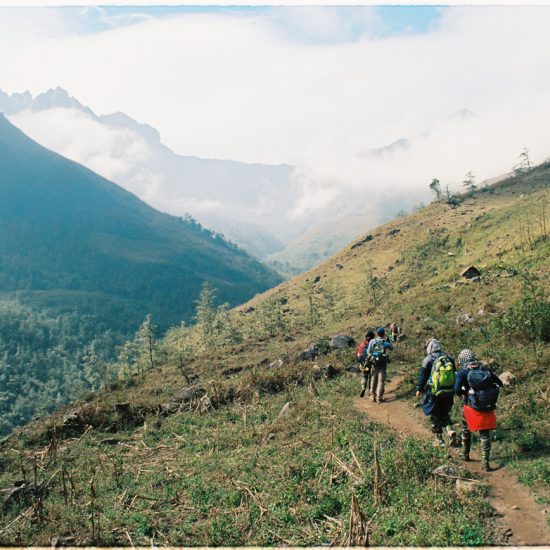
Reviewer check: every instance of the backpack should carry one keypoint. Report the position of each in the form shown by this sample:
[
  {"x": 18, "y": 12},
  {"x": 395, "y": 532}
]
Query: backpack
[
  {"x": 443, "y": 376},
  {"x": 483, "y": 394},
  {"x": 378, "y": 355}
]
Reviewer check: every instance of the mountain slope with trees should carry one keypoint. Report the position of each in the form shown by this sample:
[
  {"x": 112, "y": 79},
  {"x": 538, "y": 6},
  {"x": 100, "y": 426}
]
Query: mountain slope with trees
[
  {"x": 241, "y": 430},
  {"x": 82, "y": 262}
]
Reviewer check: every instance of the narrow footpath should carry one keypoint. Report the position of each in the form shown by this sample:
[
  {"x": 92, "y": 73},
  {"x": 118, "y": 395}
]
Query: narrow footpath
[{"x": 521, "y": 520}]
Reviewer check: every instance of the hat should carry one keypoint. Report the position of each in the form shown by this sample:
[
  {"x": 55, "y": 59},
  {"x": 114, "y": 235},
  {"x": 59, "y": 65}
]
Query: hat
[
  {"x": 433, "y": 346},
  {"x": 466, "y": 357},
  {"x": 380, "y": 331}
]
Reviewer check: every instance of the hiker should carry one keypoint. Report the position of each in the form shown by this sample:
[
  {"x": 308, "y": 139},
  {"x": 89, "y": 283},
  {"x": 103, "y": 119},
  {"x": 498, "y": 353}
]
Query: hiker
[
  {"x": 478, "y": 387},
  {"x": 436, "y": 381},
  {"x": 379, "y": 360},
  {"x": 364, "y": 362},
  {"x": 395, "y": 332}
]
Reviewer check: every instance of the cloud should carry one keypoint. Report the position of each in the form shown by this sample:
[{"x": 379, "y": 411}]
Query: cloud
[{"x": 310, "y": 87}]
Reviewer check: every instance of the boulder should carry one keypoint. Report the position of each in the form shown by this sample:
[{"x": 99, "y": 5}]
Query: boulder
[
  {"x": 507, "y": 378},
  {"x": 188, "y": 394},
  {"x": 276, "y": 363},
  {"x": 327, "y": 372},
  {"x": 341, "y": 341},
  {"x": 338, "y": 266},
  {"x": 310, "y": 353},
  {"x": 464, "y": 319}
]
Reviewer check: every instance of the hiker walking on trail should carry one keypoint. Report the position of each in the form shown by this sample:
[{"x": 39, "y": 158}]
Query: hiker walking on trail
[
  {"x": 478, "y": 387},
  {"x": 436, "y": 381},
  {"x": 379, "y": 360},
  {"x": 395, "y": 332},
  {"x": 364, "y": 362}
]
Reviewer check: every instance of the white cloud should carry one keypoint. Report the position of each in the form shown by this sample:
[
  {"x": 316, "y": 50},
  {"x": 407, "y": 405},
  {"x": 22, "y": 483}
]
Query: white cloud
[{"x": 217, "y": 85}]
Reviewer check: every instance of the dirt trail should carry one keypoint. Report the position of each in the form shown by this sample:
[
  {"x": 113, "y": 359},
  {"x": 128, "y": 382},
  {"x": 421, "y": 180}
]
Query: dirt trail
[{"x": 512, "y": 500}]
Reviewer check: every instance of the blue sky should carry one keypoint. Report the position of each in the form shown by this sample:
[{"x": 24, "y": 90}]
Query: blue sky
[{"x": 385, "y": 21}]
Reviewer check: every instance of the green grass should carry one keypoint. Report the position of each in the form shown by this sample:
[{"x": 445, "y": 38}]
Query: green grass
[{"x": 236, "y": 474}]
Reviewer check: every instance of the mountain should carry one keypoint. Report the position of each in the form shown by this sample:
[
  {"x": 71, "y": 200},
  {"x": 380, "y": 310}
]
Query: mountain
[
  {"x": 257, "y": 437},
  {"x": 66, "y": 230},
  {"x": 266, "y": 209},
  {"x": 230, "y": 197}
]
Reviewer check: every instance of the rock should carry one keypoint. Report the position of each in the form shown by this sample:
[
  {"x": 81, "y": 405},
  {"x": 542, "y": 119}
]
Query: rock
[
  {"x": 507, "y": 377},
  {"x": 515, "y": 507},
  {"x": 393, "y": 232},
  {"x": 188, "y": 394},
  {"x": 283, "y": 301},
  {"x": 470, "y": 272},
  {"x": 276, "y": 363},
  {"x": 451, "y": 254},
  {"x": 169, "y": 408},
  {"x": 353, "y": 368},
  {"x": 327, "y": 371},
  {"x": 310, "y": 353},
  {"x": 247, "y": 310},
  {"x": 362, "y": 241},
  {"x": 285, "y": 409},
  {"x": 466, "y": 488},
  {"x": 62, "y": 541},
  {"x": 341, "y": 341},
  {"x": 339, "y": 266},
  {"x": 317, "y": 279},
  {"x": 446, "y": 470},
  {"x": 464, "y": 319},
  {"x": 231, "y": 371},
  {"x": 71, "y": 419}
]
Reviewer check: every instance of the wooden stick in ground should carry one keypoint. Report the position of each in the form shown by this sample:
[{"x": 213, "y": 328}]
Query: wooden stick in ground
[
  {"x": 358, "y": 534},
  {"x": 377, "y": 476}
]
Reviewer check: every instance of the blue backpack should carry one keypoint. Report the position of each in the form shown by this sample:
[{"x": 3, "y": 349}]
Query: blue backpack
[{"x": 485, "y": 391}]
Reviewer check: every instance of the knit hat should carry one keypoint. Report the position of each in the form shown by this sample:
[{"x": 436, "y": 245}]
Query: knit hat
[
  {"x": 433, "y": 346},
  {"x": 380, "y": 331},
  {"x": 466, "y": 357}
]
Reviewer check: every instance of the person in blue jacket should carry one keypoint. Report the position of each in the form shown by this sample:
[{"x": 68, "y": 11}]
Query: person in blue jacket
[
  {"x": 436, "y": 407},
  {"x": 379, "y": 360}
]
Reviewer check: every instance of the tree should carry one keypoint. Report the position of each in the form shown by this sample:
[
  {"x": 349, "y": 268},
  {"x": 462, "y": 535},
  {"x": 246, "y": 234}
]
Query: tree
[
  {"x": 146, "y": 345},
  {"x": 470, "y": 181},
  {"x": 435, "y": 187},
  {"x": 205, "y": 312},
  {"x": 525, "y": 160}
]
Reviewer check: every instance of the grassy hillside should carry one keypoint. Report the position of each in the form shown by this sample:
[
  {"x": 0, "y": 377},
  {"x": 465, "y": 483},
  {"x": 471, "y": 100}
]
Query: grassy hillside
[{"x": 199, "y": 449}]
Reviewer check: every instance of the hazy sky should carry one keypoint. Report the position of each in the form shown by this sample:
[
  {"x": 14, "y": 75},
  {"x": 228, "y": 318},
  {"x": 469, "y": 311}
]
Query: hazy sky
[{"x": 310, "y": 86}]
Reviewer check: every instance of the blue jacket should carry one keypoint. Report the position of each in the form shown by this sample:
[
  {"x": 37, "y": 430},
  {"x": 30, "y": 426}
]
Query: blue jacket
[{"x": 461, "y": 383}]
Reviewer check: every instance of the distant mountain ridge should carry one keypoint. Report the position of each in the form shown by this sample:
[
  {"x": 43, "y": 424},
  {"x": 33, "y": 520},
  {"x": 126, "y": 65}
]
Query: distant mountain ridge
[{"x": 63, "y": 228}]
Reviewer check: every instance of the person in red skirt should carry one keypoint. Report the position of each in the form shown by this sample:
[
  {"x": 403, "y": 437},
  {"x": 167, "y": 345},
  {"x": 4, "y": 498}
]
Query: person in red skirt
[{"x": 478, "y": 388}]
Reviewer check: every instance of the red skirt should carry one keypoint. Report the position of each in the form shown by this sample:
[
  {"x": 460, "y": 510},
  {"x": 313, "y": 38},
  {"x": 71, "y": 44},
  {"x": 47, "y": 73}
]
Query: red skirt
[{"x": 478, "y": 420}]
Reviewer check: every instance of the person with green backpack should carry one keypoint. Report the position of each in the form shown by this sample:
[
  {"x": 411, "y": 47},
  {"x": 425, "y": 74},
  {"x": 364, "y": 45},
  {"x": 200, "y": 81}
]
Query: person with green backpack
[
  {"x": 436, "y": 381},
  {"x": 478, "y": 387}
]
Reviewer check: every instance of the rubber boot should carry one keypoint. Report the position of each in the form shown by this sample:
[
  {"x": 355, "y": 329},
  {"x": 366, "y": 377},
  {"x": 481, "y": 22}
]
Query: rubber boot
[
  {"x": 485, "y": 444},
  {"x": 466, "y": 445}
]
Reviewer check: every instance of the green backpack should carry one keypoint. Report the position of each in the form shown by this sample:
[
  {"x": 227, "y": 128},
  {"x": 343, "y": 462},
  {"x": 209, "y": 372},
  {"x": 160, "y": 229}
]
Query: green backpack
[{"x": 443, "y": 376}]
